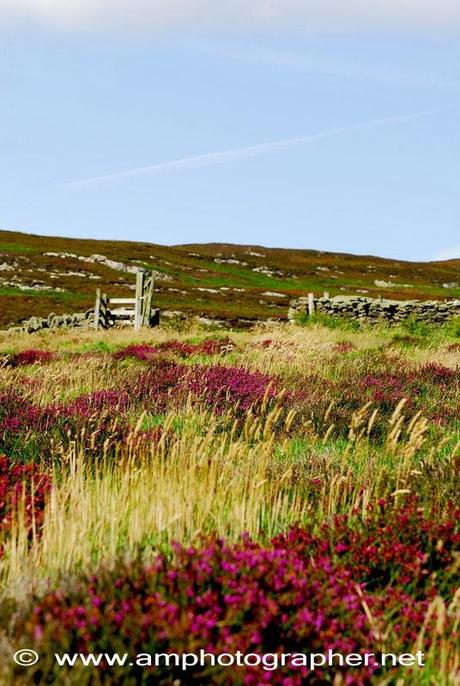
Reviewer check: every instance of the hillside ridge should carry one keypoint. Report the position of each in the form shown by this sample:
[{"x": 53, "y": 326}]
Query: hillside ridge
[{"x": 42, "y": 274}]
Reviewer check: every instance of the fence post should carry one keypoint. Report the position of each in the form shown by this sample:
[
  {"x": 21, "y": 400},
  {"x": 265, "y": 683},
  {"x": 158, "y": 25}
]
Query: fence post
[
  {"x": 326, "y": 295},
  {"x": 311, "y": 304},
  {"x": 97, "y": 308},
  {"x": 138, "y": 303},
  {"x": 147, "y": 304},
  {"x": 103, "y": 311}
]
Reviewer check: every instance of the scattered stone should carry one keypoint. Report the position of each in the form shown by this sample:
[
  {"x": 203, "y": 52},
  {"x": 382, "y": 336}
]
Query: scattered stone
[
  {"x": 112, "y": 264},
  {"x": 173, "y": 314},
  {"x": 34, "y": 286},
  {"x": 267, "y": 271},
  {"x": 391, "y": 284},
  {"x": 230, "y": 261},
  {"x": 206, "y": 321}
]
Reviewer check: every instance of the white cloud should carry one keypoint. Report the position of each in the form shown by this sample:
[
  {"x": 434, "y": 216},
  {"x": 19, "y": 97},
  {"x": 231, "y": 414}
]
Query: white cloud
[
  {"x": 242, "y": 153},
  {"x": 448, "y": 254},
  {"x": 202, "y": 14}
]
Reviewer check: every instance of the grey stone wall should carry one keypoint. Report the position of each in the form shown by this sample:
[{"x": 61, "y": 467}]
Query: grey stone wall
[
  {"x": 377, "y": 310},
  {"x": 82, "y": 320}
]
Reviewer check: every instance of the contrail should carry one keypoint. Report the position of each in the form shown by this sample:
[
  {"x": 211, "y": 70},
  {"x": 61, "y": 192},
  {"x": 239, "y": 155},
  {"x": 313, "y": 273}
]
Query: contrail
[{"x": 241, "y": 153}]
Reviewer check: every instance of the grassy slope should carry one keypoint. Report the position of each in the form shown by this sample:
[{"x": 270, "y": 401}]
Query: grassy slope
[{"x": 191, "y": 267}]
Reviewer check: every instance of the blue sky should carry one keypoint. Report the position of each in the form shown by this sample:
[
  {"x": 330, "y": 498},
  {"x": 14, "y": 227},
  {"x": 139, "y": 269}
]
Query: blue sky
[{"x": 152, "y": 122}]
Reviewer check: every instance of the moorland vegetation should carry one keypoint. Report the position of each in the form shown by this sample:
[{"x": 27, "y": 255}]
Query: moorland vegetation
[{"x": 286, "y": 489}]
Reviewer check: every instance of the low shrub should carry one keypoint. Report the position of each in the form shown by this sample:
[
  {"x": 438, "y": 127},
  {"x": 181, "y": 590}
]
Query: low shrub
[
  {"x": 210, "y": 346},
  {"x": 341, "y": 588},
  {"x": 23, "y": 488},
  {"x": 140, "y": 352},
  {"x": 28, "y": 357}
]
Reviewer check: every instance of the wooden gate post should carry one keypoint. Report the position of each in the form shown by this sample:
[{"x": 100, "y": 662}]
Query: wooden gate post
[
  {"x": 139, "y": 299},
  {"x": 103, "y": 313},
  {"x": 97, "y": 309},
  {"x": 311, "y": 304},
  {"x": 147, "y": 303}
]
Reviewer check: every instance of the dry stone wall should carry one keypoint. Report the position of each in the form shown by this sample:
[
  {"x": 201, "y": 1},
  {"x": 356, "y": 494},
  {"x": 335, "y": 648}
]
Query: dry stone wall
[
  {"x": 85, "y": 320},
  {"x": 371, "y": 310},
  {"x": 82, "y": 320},
  {"x": 376, "y": 309}
]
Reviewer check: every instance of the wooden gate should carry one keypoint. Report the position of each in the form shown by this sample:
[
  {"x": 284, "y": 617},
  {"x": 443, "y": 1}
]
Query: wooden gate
[{"x": 138, "y": 309}]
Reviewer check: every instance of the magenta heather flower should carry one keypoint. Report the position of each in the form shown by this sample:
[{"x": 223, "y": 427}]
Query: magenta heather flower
[
  {"x": 210, "y": 346},
  {"x": 98, "y": 401},
  {"x": 140, "y": 352},
  {"x": 167, "y": 383},
  {"x": 17, "y": 413},
  {"x": 222, "y": 386},
  {"x": 27, "y": 357},
  {"x": 300, "y": 593},
  {"x": 24, "y": 485}
]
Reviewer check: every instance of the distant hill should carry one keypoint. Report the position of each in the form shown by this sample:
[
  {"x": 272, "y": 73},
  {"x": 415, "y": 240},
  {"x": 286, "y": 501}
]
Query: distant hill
[{"x": 214, "y": 279}]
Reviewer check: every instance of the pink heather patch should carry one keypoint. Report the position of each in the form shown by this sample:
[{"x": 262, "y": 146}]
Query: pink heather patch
[
  {"x": 301, "y": 593},
  {"x": 98, "y": 401},
  {"x": 139, "y": 352},
  {"x": 210, "y": 346},
  {"x": 223, "y": 386},
  {"x": 27, "y": 357},
  {"x": 19, "y": 484},
  {"x": 218, "y": 386}
]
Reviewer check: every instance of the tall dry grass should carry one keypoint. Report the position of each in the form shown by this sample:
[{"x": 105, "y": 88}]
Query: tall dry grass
[
  {"x": 205, "y": 480},
  {"x": 216, "y": 474}
]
